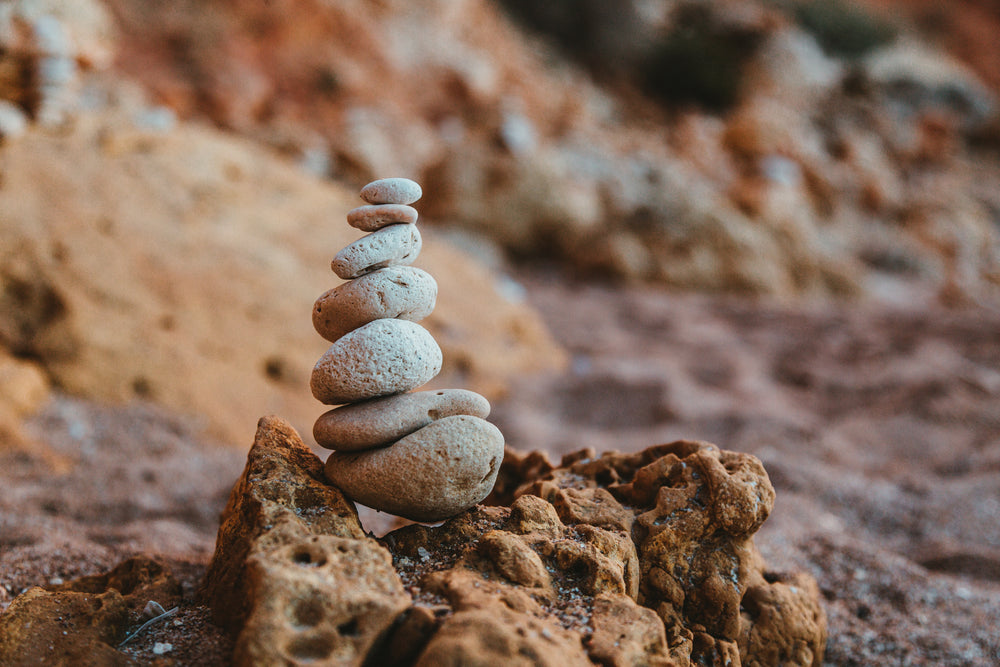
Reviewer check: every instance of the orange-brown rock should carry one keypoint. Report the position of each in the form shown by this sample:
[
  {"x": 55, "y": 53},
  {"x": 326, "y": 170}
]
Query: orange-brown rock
[
  {"x": 281, "y": 499},
  {"x": 620, "y": 559},
  {"x": 695, "y": 511},
  {"x": 777, "y": 620},
  {"x": 83, "y": 621},
  {"x": 294, "y": 576},
  {"x": 626, "y": 633},
  {"x": 500, "y": 636},
  {"x": 318, "y": 599},
  {"x": 34, "y": 628}
]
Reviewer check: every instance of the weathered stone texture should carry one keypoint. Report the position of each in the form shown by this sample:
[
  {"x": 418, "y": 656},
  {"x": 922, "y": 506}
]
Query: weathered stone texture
[{"x": 619, "y": 559}]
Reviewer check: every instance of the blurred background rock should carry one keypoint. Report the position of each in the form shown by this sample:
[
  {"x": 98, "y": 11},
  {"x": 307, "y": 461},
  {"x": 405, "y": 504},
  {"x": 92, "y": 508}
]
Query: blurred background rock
[
  {"x": 768, "y": 147},
  {"x": 780, "y": 148}
]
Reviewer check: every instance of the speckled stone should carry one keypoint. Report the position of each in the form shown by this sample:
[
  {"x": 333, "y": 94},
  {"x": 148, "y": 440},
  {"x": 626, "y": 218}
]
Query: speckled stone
[
  {"x": 381, "y": 358},
  {"x": 432, "y": 474},
  {"x": 395, "y": 245},
  {"x": 391, "y": 191},
  {"x": 376, "y": 216},
  {"x": 402, "y": 292},
  {"x": 382, "y": 421}
]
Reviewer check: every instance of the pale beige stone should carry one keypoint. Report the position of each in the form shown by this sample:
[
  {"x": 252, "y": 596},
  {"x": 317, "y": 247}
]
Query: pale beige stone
[
  {"x": 381, "y": 421},
  {"x": 381, "y": 358},
  {"x": 432, "y": 474},
  {"x": 391, "y": 191},
  {"x": 376, "y": 216},
  {"x": 401, "y": 292},
  {"x": 395, "y": 245}
]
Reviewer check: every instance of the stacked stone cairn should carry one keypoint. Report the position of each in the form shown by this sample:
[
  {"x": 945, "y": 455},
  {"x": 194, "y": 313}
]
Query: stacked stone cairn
[{"x": 424, "y": 455}]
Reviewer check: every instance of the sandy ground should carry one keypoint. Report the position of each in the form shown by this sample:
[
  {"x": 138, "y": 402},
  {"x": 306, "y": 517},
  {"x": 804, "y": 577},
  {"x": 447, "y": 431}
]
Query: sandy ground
[{"x": 879, "y": 426}]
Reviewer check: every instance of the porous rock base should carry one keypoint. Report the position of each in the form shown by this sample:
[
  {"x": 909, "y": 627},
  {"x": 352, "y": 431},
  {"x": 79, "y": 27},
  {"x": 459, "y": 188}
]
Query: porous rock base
[{"x": 621, "y": 559}]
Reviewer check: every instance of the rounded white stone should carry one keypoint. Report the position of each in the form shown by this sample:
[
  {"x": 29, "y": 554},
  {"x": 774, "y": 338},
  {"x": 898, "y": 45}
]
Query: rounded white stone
[
  {"x": 391, "y": 191},
  {"x": 402, "y": 292},
  {"x": 376, "y": 216},
  {"x": 378, "y": 359},
  {"x": 432, "y": 474},
  {"x": 395, "y": 245},
  {"x": 381, "y": 421}
]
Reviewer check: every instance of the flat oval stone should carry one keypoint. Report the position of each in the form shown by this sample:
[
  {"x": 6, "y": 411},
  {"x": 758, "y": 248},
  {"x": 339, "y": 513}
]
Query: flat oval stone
[
  {"x": 378, "y": 359},
  {"x": 376, "y": 216},
  {"x": 402, "y": 292},
  {"x": 381, "y": 421},
  {"x": 395, "y": 245},
  {"x": 432, "y": 474},
  {"x": 391, "y": 191}
]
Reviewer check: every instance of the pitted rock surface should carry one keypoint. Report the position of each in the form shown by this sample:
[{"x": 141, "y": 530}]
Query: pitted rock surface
[
  {"x": 695, "y": 509},
  {"x": 294, "y": 577},
  {"x": 34, "y": 624},
  {"x": 338, "y": 595},
  {"x": 281, "y": 499},
  {"x": 616, "y": 559}
]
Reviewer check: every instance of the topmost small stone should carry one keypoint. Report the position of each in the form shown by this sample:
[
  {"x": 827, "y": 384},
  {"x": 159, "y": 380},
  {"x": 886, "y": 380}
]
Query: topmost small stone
[{"x": 391, "y": 191}]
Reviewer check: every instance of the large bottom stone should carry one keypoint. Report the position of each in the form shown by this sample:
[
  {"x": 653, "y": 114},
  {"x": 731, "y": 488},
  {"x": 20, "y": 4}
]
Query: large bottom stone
[{"x": 432, "y": 474}]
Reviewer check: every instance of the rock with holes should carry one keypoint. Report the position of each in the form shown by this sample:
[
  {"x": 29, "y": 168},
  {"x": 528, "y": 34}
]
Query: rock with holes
[
  {"x": 294, "y": 578},
  {"x": 378, "y": 359},
  {"x": 395, "y": 245},
  {"x": 322, "y": 599},
  {"x": 382, "y": 421},
  {"x": 431, "y": 474},
  {"x": 620, "y": 559},
  {"x": 401, "y": 292},
  {"x": 281, "y": 499},
  {"x": 691, "y": 511}
]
